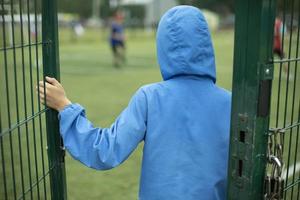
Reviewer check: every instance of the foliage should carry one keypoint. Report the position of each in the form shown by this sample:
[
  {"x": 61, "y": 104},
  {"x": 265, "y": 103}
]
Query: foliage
[
  {"x": 80, "y": 7},
  {"x": 84, "y": 8},
  {"x": 105, "y": 10},
  {"x": 221, "y": 6}
]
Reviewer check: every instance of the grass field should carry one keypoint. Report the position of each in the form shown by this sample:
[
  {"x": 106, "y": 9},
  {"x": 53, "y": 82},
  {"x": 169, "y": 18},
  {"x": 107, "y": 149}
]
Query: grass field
[{"x": 89, "y": 78}]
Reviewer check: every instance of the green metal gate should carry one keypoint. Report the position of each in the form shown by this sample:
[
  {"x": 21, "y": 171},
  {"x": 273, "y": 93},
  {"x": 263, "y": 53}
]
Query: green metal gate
[
  {"x": 31, "y": 153},
  {"x": 264, "y": 158}
]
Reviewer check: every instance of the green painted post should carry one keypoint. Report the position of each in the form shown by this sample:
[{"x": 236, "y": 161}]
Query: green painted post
[
  {"x": 51, "y": 68},
  {"x": 252, "y": 82}
]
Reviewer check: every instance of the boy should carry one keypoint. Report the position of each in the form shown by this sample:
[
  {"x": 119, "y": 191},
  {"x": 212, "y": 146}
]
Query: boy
[
  {"x": 183, "y": 120},
  {"x": 117, "y": 39}
]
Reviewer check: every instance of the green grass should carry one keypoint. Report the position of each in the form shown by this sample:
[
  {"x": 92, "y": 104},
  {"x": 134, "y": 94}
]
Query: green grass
[{"x": 90, "y": 79}]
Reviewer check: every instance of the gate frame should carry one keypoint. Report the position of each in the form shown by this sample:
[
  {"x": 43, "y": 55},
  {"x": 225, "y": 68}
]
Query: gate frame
[
  {"x": 251, "y": 94},
  {"x": 56, "y": 152}
]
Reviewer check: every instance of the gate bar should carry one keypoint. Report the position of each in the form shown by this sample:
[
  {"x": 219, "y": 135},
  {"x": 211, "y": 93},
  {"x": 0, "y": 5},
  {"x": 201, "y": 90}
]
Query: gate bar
[
  {"x": 8, "y": 106},
  {"x": 36, "y": 44},
  {"x": 252, "y": 84},
  {"x": 51, "y": 68}
]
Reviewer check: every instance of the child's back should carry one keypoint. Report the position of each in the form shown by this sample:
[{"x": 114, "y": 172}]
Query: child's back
[
  {"x": 184, "y": 120},
  {"x": 186, "y": 143}
]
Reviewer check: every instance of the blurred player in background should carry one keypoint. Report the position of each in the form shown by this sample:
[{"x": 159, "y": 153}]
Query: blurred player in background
[
  {"x": 117, "y": 39},
  {"x": 279, "y": 29}
]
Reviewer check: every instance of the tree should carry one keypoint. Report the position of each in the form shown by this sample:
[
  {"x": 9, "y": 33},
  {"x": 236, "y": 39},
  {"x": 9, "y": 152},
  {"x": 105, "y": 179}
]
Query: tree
[
  {"x": 220, "y": 6},
  {"x": 81, "y": 7}
]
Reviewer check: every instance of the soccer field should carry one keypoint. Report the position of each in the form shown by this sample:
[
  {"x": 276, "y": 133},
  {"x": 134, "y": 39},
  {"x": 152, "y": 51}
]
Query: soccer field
[{"x": 90, "y": 79}]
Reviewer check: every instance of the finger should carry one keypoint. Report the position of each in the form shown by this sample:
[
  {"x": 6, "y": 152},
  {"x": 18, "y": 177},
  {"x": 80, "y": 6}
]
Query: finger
[
  {"x": 48, "y": 86},
  {"x": 41, "y": 89},
  {"x": 41, "y": 95},
  {"x": 51, "y": 80},
  {"x": 41, "y": 83},
  {"x": 42, "y": 101}
]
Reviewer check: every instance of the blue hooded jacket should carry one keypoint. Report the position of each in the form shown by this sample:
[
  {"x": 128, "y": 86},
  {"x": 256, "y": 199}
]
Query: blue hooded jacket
[{"x": 183, "y": 120}]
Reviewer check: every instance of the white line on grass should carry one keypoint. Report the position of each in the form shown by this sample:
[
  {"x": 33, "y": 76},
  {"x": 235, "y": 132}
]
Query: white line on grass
[{"x": 291, "y": 170}]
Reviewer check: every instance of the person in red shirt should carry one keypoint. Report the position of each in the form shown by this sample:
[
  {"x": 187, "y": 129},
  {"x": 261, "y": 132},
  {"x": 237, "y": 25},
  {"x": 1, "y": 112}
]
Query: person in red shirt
[
  {"x": 277, "y": 45},
  {"x": 278, "y": 30}
]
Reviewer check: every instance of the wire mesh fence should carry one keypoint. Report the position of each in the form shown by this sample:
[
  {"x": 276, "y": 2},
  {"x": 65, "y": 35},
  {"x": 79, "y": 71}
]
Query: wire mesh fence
[
  {"x": 25, "y": 170},
  {"x": 266, "y": 101},
  {"x": 285, "y": 107}
]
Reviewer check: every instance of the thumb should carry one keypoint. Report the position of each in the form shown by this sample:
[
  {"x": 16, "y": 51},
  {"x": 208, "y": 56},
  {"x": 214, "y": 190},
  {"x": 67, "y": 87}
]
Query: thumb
[{"x": 52, "y": 81}]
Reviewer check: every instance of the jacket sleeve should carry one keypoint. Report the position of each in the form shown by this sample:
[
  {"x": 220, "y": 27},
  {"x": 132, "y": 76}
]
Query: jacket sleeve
[{"x": 104, "y": 148}]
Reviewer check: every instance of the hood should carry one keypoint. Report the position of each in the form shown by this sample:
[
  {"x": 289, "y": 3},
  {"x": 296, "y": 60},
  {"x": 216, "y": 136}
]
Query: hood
[{"x": 184, "y": 44}]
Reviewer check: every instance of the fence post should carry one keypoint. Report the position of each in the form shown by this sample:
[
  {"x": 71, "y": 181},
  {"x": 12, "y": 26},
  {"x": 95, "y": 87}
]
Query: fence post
[
  {"x": 51, "y": 68},
  {"x": 252, "y": 83}
]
